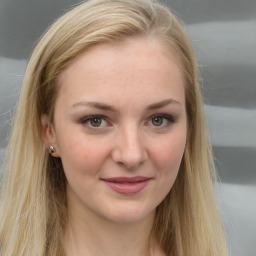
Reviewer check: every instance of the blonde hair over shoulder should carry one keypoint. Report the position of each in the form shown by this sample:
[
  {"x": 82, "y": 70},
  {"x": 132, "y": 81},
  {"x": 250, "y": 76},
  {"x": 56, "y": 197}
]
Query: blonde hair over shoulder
[{"x": 33, "y": 212}]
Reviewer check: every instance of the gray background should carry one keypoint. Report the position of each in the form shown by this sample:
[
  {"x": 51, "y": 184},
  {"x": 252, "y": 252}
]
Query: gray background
[{"x": 224, "y": 36}]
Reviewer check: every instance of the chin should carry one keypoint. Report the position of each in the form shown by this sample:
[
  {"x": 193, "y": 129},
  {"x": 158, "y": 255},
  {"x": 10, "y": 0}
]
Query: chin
[{"x": 130, "y": 215}]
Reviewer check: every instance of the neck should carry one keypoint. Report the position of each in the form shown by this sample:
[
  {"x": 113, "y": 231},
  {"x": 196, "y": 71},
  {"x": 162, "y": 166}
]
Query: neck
[{"x": 90, "y": 235}]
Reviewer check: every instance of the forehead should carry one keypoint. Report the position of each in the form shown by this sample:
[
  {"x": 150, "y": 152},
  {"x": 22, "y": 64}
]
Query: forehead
[
  {"x": 136, "y": 66},
  {"x": 131, "y": 50}
]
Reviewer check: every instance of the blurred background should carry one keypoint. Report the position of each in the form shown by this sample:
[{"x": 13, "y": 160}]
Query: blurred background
[{"x": 224, "y": 37}]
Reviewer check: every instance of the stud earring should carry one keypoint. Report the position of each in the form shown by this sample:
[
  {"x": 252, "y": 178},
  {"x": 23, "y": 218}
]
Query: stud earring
[{"x": 52, "y": 149}]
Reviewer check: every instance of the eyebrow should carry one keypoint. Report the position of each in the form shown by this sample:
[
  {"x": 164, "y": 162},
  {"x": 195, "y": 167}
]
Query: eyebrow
[
  {"x": 103, "y": 106},
  {"x": 162, "y": 104},
  {"x": 93, "y": 104}
]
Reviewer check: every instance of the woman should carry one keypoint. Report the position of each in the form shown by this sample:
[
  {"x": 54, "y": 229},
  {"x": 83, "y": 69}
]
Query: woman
[{"x": 108, "y": 154}]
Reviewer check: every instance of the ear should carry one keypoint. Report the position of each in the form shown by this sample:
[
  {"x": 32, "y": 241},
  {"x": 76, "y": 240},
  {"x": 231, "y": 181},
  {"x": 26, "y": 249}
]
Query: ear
[{"x": 49, "y": 136}]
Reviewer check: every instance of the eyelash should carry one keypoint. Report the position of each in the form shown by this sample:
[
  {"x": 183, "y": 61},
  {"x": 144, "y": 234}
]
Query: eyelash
[
  {"x": 169, "y": 118},
  {"x": 86, "y": 119}
]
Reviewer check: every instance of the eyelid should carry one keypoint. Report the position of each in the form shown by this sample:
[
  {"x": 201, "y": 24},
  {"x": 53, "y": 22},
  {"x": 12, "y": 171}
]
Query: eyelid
[
  {"x": 163, "y": 115},
  {"x": 85, "y": 121},
  {"x": 170, "y": 119},
  {"x": 87, "y": 118}
]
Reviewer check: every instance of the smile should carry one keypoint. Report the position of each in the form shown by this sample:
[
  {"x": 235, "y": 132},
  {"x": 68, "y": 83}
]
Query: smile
[{"x": 127, "y": 185}]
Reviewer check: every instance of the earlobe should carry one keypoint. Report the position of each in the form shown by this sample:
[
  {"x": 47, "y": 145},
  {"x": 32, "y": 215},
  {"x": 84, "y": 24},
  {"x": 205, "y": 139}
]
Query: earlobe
[
  {"x": 52, "y": 149},
  {"x": 49, "y": 136}
]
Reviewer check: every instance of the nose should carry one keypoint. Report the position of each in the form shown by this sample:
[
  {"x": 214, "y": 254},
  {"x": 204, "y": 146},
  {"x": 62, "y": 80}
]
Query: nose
[{"x": 129, "y": 149}]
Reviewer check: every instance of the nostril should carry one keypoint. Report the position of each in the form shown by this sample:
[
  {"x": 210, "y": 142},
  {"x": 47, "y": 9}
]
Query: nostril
[
  {"x": 129, "y": 161},
  {"x": 129, "y": 150}
]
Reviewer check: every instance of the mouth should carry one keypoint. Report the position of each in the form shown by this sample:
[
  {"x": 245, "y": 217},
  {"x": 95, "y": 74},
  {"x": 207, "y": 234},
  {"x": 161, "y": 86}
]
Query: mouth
[{"x": 127, "y": 185}]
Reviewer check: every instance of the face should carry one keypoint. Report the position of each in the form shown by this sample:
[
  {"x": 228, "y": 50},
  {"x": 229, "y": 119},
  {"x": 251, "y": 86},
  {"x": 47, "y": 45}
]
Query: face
[{"x": 120, "y": 129}]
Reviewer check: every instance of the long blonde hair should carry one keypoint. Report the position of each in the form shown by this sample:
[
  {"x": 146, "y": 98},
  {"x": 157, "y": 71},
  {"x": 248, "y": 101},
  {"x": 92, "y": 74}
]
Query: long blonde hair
[{"x": 33, "y": 200}]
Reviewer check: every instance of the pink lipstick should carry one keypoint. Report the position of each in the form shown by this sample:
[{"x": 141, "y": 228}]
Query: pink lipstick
[{"x": 127, "y": 185}]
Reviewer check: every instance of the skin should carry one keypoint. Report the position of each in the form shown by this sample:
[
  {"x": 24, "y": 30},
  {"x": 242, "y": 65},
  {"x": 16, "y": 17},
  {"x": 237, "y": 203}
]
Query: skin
[{"x": 131, "y": 83}]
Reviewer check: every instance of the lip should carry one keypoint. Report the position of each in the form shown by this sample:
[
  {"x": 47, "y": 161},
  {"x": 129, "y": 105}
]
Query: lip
[{"x": 127, "y": 185}]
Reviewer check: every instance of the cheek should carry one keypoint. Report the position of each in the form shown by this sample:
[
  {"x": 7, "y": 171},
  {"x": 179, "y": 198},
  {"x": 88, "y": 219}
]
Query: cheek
[
  {"x": 169, "y": 154},
  {"x": 82, "y": 156}
]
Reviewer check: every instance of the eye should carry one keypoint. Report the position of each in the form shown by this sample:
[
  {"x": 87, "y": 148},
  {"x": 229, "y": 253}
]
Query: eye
[
  {"x": 161, "y": 120},
  {"x": 94, "y": 121},
  {"x": 158, "y": 121}
]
